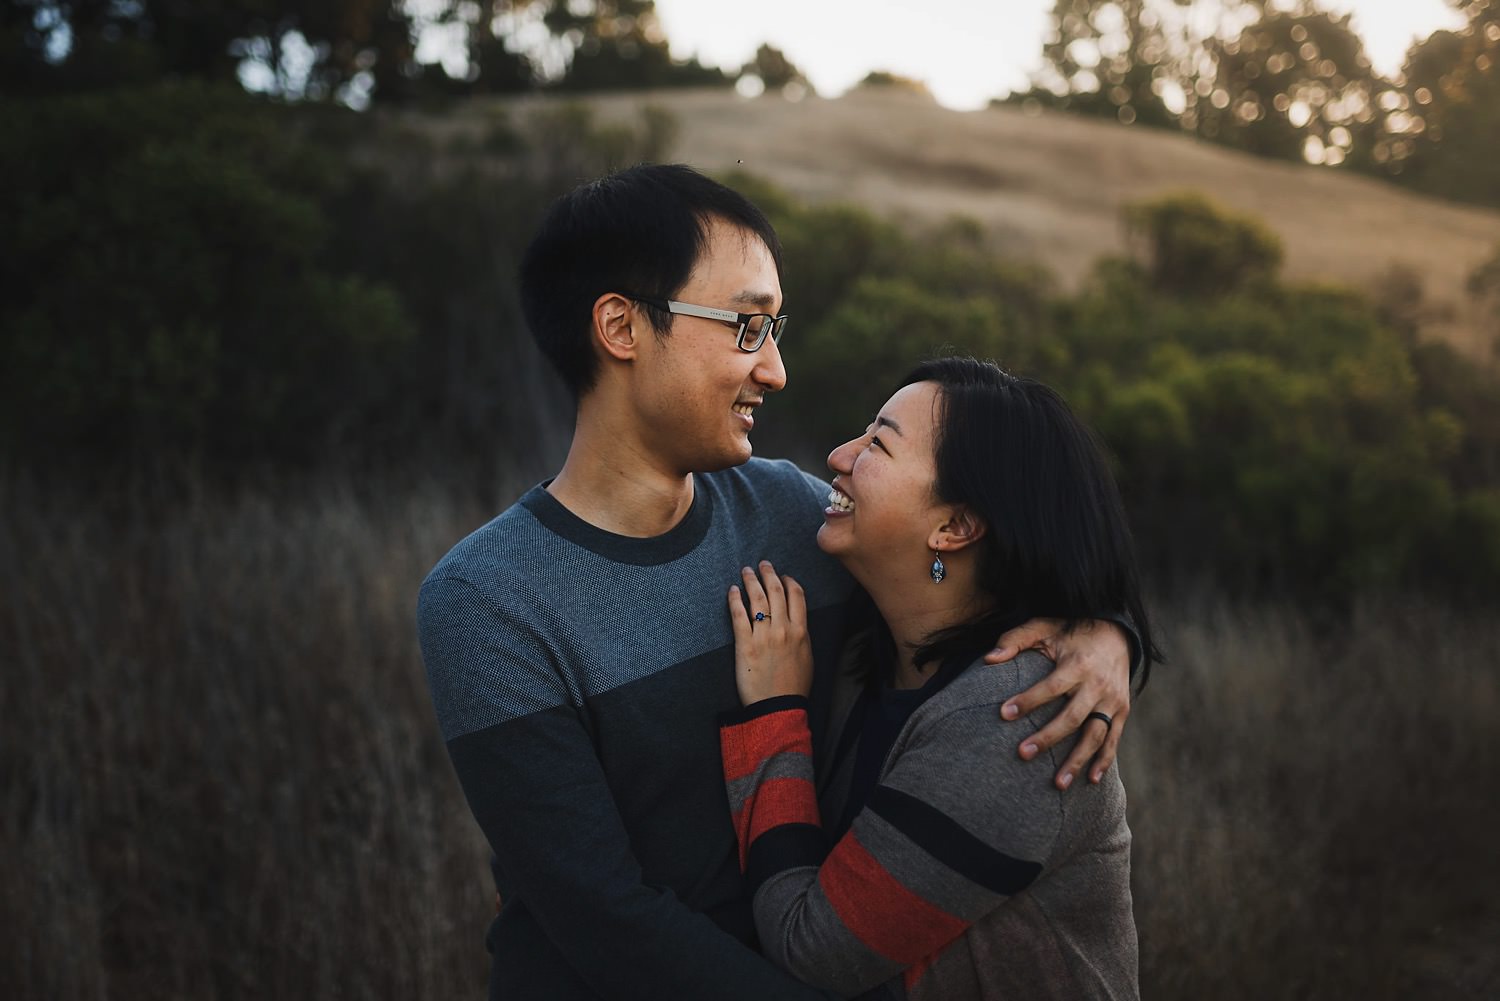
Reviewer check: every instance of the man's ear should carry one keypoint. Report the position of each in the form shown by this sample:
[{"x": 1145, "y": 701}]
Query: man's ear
[
  {"x": 615, "y": 325},
  {"x": 961, "y": 528}
]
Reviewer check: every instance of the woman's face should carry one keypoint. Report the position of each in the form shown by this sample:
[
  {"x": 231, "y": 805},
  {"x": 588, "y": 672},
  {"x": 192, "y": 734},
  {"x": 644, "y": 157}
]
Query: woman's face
[{"x": 883, "y": 508}]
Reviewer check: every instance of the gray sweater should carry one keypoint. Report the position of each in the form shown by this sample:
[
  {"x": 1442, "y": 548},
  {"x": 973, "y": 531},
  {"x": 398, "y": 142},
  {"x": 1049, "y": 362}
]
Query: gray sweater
[{"x": 967, "y": 874}]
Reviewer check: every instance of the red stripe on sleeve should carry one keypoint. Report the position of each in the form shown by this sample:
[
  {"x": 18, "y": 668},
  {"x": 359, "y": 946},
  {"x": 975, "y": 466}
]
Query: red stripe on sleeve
[
  {"x": 746, "y": 745},
  {"x": 914, "y": 972},
  {"x": 775, "y": 802},
  {"x": 887, "y": 917}
]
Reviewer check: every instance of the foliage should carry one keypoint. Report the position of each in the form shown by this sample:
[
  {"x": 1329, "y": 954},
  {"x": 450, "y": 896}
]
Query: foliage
[
  {"x": 167, "y": 286},
  {"x": 345, "y": 50},
  {"x": 1484, "y": 287},
  {"x": 1275, "y": 436},
  {"x": 618, "y": 44},
  {"x": 1287, "y": 82},
  {"x": 1294, "y": 86},
  {"x": 1114, "y": 59},
  {"x": 196, "y": 278},
  {"x": 773, "y": 68},
  {"x": 1193, "y": 248},
  {"x": 307, "y": 49},
  {"x": 885, "y": 78},
  {"x": 1448, "y": 111},
  {"x": 199, "y": 278}
]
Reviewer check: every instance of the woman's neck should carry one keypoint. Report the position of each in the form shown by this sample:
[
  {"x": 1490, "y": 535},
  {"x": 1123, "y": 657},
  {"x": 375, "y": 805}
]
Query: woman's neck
[{"x": 915, "y": 609}]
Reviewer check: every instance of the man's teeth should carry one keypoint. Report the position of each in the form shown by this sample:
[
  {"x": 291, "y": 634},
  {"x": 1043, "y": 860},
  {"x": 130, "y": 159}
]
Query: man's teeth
[
  {"x": 840, "y": 501},
  {"x": 743, "y": 409}
]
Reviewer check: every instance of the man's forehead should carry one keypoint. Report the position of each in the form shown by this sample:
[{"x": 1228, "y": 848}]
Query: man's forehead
[{"x": 736, "y": 262}]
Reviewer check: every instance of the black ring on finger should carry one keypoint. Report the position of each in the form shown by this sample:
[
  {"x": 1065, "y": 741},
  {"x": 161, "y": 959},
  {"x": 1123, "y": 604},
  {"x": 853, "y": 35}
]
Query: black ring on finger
[{"x": 1102, "y": 717}]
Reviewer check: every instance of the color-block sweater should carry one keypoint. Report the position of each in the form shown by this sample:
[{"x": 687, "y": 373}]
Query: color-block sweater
[
  {"x": 967, "y": 874},
  {"x": 578, "y": 677}
]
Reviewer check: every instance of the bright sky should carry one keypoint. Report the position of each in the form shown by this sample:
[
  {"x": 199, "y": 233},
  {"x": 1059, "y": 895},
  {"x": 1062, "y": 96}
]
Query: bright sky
[{"x": 967, "y": 51}]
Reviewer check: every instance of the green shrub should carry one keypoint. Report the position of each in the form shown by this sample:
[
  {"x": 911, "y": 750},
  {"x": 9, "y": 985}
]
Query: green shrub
[
  {"x": 1194, "y": 247},
  {"x": 166, "y": 284}
]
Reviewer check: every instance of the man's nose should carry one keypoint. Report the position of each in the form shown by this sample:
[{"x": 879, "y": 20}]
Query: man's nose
[{"x": 769, "y": 373}]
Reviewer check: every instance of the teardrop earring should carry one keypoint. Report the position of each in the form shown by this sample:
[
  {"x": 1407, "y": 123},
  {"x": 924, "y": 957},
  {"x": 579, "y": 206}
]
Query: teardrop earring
[{"x": 938, "y": 570}]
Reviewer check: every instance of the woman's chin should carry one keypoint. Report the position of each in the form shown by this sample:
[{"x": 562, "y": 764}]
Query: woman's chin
[{"x": 838, "y": 545}]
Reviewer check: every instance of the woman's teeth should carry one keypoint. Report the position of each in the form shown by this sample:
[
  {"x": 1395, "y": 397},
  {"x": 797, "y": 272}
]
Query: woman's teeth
[{"x": 840, "y": 501}]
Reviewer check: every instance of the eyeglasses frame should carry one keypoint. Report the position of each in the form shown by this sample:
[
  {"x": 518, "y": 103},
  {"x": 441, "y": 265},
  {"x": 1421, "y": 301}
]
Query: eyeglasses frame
[{"x": 729, "y": 316}]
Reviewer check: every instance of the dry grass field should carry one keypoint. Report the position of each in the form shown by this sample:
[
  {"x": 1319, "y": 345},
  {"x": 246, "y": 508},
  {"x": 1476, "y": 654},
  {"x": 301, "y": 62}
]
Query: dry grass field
[
  {"x": 220, "y": 777},
  {"x": 1050, "y": 186}
]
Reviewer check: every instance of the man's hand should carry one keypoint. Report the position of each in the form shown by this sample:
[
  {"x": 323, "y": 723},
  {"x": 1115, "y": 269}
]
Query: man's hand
[{"x": 1093, "y": 671}]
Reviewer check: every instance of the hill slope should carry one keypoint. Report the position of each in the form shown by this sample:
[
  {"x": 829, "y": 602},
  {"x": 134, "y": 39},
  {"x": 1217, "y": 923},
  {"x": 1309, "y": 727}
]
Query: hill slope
[{"x": 1050, "y": 186}]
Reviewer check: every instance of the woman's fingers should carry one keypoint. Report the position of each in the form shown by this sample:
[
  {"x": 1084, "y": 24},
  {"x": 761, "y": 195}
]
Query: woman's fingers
[
  {"x": 796, "y": 605},
  {"x": 775, "y": 594},
  {"x": 755, "y": 595},
  {"x": 738, "y": 620}
]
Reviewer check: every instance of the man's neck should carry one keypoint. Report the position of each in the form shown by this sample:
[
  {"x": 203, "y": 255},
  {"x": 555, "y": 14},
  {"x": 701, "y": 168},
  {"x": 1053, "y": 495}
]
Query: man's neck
[{"x": 615, "y": 485}]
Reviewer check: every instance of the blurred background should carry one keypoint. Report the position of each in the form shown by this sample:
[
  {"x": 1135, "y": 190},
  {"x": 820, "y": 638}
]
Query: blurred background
[{"x": 261, "y": 364}]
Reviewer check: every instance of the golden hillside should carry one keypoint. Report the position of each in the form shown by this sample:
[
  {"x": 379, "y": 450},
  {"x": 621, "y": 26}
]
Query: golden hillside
[{"x": 1050, "y": 186}]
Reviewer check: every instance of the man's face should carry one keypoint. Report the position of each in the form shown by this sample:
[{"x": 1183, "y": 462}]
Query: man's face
[{"x": 696, "y": 392}]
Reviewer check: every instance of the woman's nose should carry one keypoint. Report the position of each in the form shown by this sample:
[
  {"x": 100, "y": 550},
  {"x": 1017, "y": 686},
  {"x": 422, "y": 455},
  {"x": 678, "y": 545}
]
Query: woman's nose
[{"x": 841, "y": 459}]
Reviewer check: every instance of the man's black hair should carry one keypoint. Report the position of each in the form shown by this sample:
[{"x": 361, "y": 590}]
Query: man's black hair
[
  {"x": 1057, "y": 542},
  {"x": 640, "y": 230}
]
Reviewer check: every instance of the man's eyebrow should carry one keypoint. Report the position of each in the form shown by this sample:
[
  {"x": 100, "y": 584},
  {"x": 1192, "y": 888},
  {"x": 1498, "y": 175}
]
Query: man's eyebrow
[
  {"x": 888, "y": 423},
  {"x": 761, "y": 299}
]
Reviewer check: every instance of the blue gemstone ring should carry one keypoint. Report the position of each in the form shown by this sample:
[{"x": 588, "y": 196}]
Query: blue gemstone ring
[{"x": 761, "y": 616}]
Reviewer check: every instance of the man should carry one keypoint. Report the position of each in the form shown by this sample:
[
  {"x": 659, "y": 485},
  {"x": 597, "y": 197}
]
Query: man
[{"x": 577, "y": 649}]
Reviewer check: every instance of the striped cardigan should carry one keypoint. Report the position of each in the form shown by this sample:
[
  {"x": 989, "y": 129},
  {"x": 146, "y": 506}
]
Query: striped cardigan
[{"x": 966, "y": 874}]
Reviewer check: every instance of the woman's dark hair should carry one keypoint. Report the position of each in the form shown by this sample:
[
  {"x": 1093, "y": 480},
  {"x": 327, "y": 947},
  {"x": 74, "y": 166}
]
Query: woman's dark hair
[
  {"x": 641, "y": 230},
  {"x": 1057, "y": 542}
]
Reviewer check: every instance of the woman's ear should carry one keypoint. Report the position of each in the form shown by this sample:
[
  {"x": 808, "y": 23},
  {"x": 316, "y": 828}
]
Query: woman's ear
[
  {"x": 615, "y": 321},
  {"x": 962, "y": 528}
]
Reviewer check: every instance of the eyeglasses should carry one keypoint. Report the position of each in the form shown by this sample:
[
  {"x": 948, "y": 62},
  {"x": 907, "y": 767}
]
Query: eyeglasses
[{"x": 751, "y": 328}]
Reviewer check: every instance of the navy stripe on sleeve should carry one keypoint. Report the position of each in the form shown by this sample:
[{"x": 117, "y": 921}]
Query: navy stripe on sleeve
[
  {"x": 788, "y": 846},
  {"x": 947, "y": 841}
]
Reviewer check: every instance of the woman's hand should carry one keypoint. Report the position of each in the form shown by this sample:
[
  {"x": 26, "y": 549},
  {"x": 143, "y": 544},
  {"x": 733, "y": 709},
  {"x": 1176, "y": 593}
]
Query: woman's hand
[{"x": 772, "y": 654}]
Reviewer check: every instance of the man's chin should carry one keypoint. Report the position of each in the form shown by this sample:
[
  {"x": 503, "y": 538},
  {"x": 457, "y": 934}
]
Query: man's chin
[{"x": 727, "y": 459}]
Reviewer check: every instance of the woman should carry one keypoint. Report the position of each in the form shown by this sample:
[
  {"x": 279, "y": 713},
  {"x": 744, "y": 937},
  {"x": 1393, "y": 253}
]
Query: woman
[{"x": 974, "y": 501}]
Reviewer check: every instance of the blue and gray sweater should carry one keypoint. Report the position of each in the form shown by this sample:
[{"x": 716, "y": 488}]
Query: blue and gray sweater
[{"x": 578, "y": 677}]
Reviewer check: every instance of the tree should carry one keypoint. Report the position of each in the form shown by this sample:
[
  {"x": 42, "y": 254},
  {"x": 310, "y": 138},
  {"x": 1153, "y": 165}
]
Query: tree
[
  {"x": 1147, "y": 61},
  {"x": 1294, "y": 86},
  {"x": 292, "y": 48},
  {"x": 773, "y": 68},
  {"x": 1445, "y": 120},
  {"x": 167, "y": 286},
  {"x": 616, "y": 44}
]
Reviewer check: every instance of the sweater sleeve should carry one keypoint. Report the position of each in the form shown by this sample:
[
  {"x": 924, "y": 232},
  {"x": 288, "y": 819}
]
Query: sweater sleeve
[
  {"x": 535, "y": 786},
  {"x": 956, "y": 825}
]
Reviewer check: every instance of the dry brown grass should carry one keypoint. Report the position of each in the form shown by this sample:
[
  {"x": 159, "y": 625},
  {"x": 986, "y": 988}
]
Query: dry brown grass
[
  {"x": 221, "y": 777},
  {"x": 1312, "y": 806},
  {"x": 1050, "y": 187}
]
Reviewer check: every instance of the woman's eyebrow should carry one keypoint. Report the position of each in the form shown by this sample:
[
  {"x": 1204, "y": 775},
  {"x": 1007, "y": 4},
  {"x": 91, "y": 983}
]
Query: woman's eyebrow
[{"x": 888, "y": 423}]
